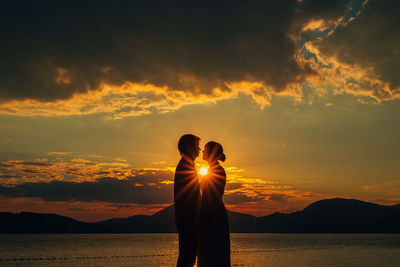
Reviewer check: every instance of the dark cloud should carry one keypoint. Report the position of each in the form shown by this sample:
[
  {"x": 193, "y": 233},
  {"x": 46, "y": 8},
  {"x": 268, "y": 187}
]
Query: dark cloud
[
  {"x": 239, "y": 197},
  {"x": 370, "y": 41},
  {"x": 8, "y": 176},
  {"x": 327, "y": 10},
  {"x": 233, "y": 186},
  {"x": 120, "y": 205},
  {"x": 102, "y": 173},
  {"x": 278, "y": 197},
  {"x": 104, "y": 190},
  {"x": 77, "y": 181},
  {"x": 4, "y": 165},
  {"x": 30, "y": 171},
  {"x": 53, "y": 49},
  {"x": 33, "y": 163},
  {"x": 25, "y": 163},
  {"x": 151, "y": 176},
  {"x": 315, "y": 10}
]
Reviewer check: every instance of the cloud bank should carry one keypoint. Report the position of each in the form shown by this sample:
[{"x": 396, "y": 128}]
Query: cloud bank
[
  {"x": 137, "y": 57},
  {"x": 78, "y": 180}
]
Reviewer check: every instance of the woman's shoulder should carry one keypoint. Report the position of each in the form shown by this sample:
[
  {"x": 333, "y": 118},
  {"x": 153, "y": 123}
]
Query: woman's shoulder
[
  {"x": 219, "y": 171},
  {"x": 220, "y": 167}
]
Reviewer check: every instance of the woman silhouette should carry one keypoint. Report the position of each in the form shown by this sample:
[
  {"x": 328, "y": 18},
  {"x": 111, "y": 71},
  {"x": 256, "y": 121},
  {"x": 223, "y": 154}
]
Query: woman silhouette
[{"x": 214, "y": 247}]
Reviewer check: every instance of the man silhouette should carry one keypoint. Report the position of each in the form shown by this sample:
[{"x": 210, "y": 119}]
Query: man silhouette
[{"x": 187, "y": 200}]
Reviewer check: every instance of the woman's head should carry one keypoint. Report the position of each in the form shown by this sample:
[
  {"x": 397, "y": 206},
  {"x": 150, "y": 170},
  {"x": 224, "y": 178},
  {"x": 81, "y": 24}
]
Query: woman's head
[{"x": 213, "y": 152}]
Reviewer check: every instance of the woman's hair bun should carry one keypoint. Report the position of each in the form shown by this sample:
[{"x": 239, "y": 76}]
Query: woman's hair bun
[{"x": 222, "y": 157}]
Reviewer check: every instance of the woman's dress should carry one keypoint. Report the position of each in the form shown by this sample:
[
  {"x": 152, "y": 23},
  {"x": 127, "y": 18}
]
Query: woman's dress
[{"x": 214, "y": 247}]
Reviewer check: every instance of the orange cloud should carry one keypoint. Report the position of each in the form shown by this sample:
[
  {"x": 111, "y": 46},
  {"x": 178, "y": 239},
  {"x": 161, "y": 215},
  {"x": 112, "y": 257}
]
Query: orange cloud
[
  {"x": 338, "y": 78},
  {"x": 78, "y": 180},
  {"x": 132, "y": 99},
  {"x": 261, "y": 197}
]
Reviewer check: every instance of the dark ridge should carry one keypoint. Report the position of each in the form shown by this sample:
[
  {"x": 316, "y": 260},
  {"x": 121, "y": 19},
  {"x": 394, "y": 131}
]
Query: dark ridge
[
  {"x": 38, "y": 223},
  {"x": 325, "y": 216}
]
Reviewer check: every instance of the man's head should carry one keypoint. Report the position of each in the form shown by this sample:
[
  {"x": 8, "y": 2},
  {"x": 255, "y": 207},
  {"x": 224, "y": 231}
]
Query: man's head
[{"x": 188, "y": 146}]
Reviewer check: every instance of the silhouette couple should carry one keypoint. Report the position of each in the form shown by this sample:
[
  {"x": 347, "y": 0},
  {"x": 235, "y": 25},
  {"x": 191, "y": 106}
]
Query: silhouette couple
[{"x": 200, "y": 214}]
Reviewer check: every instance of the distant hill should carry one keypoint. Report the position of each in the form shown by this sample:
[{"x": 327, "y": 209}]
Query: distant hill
[
  {"x": 38, "y": 223},
  {"x": 324, "y": 216},
  {"x": 336, "y": 216},
  {"x": 159, "y": 222},
  {"x": 164, "y": 222}
]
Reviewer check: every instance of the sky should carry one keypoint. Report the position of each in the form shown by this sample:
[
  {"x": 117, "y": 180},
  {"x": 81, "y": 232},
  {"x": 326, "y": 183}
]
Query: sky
[{"x": 304, "y": 97}]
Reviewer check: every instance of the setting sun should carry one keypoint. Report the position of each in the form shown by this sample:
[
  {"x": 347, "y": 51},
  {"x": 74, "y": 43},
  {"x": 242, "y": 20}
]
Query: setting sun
[{"x": 203, "y": 171}]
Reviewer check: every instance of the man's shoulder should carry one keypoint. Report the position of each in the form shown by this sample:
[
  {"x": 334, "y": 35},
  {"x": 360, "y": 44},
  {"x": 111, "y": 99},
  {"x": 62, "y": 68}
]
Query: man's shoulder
[
  {"x": 180, "y": 164},
  {"x": 185, "y": 164},
  {"x": 185, "y": 169}
]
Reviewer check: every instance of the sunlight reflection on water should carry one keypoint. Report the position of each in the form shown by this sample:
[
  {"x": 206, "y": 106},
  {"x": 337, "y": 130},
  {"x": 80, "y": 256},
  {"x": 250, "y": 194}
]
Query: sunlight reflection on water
[{"x": 161, "y": 250}]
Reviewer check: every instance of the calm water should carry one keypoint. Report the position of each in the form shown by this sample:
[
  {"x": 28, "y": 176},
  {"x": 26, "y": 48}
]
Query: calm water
[{"x": 161, "y": 250}]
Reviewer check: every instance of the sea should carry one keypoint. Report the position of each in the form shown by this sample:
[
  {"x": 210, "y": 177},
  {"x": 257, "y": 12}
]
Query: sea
[{"x": 161, "y": 250}]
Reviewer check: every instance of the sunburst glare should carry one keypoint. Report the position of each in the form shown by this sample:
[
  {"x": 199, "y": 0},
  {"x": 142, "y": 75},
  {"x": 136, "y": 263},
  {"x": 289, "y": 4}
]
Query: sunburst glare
[{"x": 203, "y": 171}]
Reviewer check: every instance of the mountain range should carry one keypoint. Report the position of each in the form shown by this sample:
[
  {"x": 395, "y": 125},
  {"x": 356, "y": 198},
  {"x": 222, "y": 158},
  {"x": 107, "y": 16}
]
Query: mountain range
[{"x": 336, "y": 215}]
